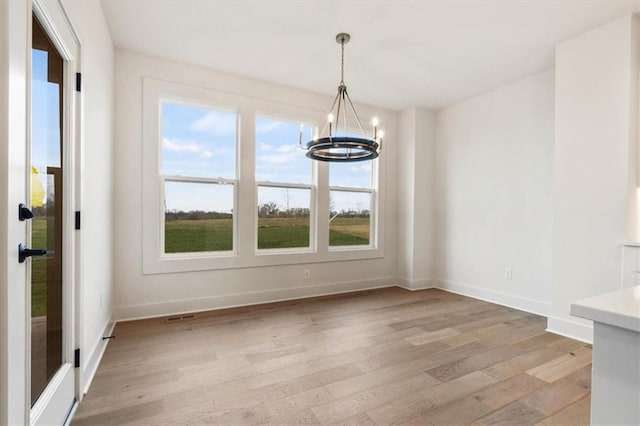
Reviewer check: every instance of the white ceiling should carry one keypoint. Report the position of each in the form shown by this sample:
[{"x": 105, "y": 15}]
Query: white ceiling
[{"x": 402, "y": 53}]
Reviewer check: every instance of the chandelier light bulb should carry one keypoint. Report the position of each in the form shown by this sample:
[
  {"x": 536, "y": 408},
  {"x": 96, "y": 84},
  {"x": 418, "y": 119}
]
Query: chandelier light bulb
[
  {"x": 330, "y": 118},
  {"x": 375, "y": 127}
]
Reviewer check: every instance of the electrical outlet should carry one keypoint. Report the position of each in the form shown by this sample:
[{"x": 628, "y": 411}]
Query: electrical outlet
[
  {"x": 507, "y": 273},
  {"x": 307, "y": 274}
]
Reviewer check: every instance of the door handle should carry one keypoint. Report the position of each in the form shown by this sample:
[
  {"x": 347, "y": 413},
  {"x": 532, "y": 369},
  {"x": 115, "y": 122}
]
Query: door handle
[
  {"x": 24, "y": 252},
  {"x": 24, "y": 213}
]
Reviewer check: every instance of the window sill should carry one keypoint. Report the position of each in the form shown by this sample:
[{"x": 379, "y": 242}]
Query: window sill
[{"x": 171, "y": 264}]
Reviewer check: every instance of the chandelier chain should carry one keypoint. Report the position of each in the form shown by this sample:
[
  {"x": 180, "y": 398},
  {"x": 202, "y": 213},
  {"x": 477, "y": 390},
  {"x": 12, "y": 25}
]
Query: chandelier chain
[{"x": 342, "y": 64}]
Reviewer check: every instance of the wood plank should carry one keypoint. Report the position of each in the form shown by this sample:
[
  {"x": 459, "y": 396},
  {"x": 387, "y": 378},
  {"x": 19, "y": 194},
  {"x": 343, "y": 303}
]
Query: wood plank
[
  {"x": 516, "y": 413},
  {"x": 430, "y": 336},
  {"x": 287, "y": 408},
  {"x": 561, "y": 393},
  {"x": 456, "y": 369},
  {"x": 562, "y": 366},
  {"x": 379, "y": 377},
  {"x": 362, "y": 401},
  {"x": 523, "y": 362},
  {"x": 576, "y": 414},
  {"x": 507, "y": 391}
]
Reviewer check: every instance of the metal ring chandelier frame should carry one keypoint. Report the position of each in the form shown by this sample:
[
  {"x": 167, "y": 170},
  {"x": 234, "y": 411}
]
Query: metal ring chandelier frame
[{"x": 345, "y": 148}]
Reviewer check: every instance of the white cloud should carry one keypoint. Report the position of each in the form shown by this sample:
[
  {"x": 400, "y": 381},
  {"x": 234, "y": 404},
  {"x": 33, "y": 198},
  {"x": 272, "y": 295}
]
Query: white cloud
[
  {"x": 266, "y": 147},
  {"x": 363, "y": 167},
  {"x": 177, "y": 145},
  {"x": 217, "y": 123},
  {"x": 281, "y": 149},
  {"x": 282, "y": 157},
  {"x": 276, "y": 159},
  {"x": 268, "y": 127},
  {"x": 284, "y": 149}
]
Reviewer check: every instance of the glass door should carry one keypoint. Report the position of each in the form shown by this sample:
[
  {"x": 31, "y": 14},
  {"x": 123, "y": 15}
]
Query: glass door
[
  {"x": 50, "y": 174},
  {"x": 47, "y": 86}
]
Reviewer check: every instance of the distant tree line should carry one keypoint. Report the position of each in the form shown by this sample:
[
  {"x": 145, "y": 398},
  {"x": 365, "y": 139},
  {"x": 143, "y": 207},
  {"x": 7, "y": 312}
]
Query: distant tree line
[
  {"x": 350, "y": 213},
  {"x": 171, "y": 215},
  {"x": 272, "y": 209},
  {"x": 266, "y": 210}
]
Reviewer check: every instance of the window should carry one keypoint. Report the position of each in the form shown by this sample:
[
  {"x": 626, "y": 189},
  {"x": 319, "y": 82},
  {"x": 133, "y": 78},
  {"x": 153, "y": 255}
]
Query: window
[
  {"x": 284, "y": 180},
  {"x": 198, "y": 175},
  {"x": 226, "y": 185},
  {"x": 351, "y": 197}
]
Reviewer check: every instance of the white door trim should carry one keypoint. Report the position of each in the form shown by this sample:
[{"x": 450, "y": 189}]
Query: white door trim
[{"x": 14, "y": 20}]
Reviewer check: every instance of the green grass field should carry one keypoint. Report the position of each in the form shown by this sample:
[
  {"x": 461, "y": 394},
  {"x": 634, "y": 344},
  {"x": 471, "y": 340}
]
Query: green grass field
[
  {"x": 217, "y": 234},
  {"x": 38, "y": 268}
]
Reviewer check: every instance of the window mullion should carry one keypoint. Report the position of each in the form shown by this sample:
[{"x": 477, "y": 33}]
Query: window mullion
[
  {"x": 246, "y": 193},
  {"x": 322, "y": 206},
  {"x": 349, "y": 189},
  {"x": 190, "y": 179}
]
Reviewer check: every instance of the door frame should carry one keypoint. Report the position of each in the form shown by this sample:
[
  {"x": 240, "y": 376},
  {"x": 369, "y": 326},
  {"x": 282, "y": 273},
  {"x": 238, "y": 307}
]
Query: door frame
[
  {"x": 15, "y": 116},
  {"x": 14, "y": 20}
]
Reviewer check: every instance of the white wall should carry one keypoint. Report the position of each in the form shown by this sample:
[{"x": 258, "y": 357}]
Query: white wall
[
  {"x": 494, "y": 162},
  {"x": 416, "y": 182},
  {"x": 139, "y": 295},
  {"x": 595, "y": 162},
  {"x": 96, "y": 243}
]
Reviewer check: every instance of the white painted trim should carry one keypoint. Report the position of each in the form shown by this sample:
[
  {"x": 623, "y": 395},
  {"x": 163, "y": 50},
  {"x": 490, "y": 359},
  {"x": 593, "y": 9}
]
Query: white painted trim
[
  {"x": 569, "y": 328},
  {"x": 5, "y": 378},
  {"x": 90, "y": 367},
  {"x": 72, "y": 412},
  {"x": 151, "y": 310},
  {"x": 517, "y": 302},
  {"x": 415, "y": 284},
  {"x": 57, "y": 399}
]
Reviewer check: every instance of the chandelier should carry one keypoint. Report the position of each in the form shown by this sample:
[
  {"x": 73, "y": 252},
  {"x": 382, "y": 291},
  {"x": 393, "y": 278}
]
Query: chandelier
[{"x": 337, "y": 142}]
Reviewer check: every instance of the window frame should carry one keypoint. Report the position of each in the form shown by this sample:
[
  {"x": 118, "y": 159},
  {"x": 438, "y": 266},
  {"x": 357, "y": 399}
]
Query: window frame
[
  {"x": 195, "y": 179},
  {"x": 311, "y": 248},
  {"x": 312, "y": 187},
  {"x": 245, "y": 253},
  {"x": 372, "y": 190},
  {"x": 372, "y": 217},
  {"x": 213, "y": 181}
]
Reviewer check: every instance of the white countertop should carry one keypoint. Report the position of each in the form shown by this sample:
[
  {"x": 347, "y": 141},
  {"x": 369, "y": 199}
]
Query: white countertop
[{"x": 620, "y": 308}]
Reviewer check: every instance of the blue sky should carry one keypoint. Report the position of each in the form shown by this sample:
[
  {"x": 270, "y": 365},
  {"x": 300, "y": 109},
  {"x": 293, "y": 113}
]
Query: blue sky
[
  {"x": 200, "y": 142},
  {"x": 45, "y": 123}
]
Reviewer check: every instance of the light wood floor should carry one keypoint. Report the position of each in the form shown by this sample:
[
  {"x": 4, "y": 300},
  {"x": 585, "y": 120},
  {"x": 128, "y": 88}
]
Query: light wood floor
[{"x": 383, "y": 357}]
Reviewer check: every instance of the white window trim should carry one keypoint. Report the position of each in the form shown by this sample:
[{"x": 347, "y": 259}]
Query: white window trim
[
  {"x": 312, "y": 218},
  {"x": 188, "y": 179},
  {"x": 373, "y": 242},
  {"x": 245, "y": 253}
]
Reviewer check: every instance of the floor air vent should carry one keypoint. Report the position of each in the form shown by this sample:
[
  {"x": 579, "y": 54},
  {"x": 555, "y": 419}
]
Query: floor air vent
[{"x": 178, "y": 318}]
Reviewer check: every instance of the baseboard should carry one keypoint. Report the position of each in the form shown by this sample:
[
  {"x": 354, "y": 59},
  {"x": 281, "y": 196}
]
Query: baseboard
[
  {"x": 176, "y": 307},
  {"x": 414, "y": 284},
  {"x": 522, "y": 303},
  {"x": 94, "y": 358},
  {"x": 569, "y": 328}
]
